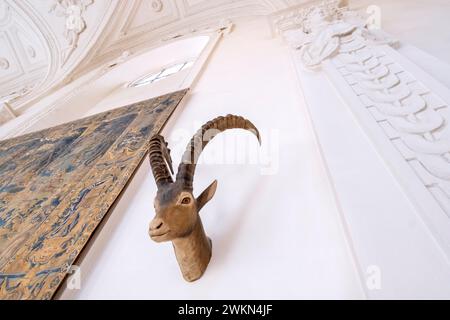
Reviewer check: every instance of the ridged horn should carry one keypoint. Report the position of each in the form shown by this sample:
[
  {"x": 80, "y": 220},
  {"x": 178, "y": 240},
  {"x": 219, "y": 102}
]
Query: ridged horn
[
  {"x": 206, "y": 133},
  {"x": 159, "y": 156}
]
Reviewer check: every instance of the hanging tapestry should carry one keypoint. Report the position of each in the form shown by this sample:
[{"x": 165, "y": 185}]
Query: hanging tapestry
[{"x": 56, "y": 186}]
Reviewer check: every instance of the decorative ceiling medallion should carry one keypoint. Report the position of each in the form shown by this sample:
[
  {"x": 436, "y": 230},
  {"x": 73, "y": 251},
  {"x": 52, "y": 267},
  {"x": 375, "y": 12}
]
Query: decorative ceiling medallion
[
  {"x": 4, "y": 64},
  {"x": 157, "y": 5},
  {"x": 75, "y": 24}
]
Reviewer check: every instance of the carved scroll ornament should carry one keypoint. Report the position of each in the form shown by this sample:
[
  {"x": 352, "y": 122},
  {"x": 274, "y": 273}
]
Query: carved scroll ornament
[{"x": 414, "y": 118}]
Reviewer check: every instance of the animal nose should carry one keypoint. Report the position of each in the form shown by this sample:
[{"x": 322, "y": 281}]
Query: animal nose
[{"x": 156, "y": 224}]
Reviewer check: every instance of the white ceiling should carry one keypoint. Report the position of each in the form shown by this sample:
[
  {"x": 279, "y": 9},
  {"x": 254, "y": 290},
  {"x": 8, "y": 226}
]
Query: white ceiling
[
  {"x": 40, "y": 41},
  {"x": 46, "y": 43},
  {"x": 23, "y": 53}
]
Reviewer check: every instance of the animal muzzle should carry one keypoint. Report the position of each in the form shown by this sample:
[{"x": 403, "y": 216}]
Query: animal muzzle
[{"x": 158, "y": 230}]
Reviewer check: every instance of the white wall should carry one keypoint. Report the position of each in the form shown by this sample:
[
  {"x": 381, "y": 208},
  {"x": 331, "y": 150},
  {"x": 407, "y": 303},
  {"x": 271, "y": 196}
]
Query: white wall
[
  {"x": 421, "y": 28},
  {"x": 274, "y": 236},
  {"x": 420, "y": 23}
]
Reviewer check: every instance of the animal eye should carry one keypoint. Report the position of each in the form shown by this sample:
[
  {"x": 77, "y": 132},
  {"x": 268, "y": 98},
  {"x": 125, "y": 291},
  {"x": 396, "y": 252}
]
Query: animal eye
[{"x": 186, "y": 200}]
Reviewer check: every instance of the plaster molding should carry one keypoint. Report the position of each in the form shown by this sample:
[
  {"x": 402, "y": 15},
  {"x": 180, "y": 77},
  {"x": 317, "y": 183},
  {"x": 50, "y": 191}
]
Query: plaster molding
[
  {"x": 157, "y": 5},
  {"x": 4, "y": 63},
  {"x": 5, "y": 13},
  {"x": 26, "y": 121},
  {"x": 223, "y": 26},
  {"x": 42, "y": 60},
  {"x": 301, "y": 17},
  {"x": 414, "y": 119},
  {"x": 94, "y": 44},
  {"x": 303, "y": 25},
  {"x": 49, "y": 45},
  {"x": 62, "y": 97},
  {"x": 406, "y": 119},
  {"x": 166, "y": 15},
  {"x": 89, "y": 44},
  {"x": 177, "y": 17},
  {"x": 29, "y": 49},
  {"x": 409, "y": 112},
  {"x": 58, "y": 73},
  {"x": 75, "y": 24},
  {"x": 6, "y": 112},
  {"x": 31, "y": 52}
]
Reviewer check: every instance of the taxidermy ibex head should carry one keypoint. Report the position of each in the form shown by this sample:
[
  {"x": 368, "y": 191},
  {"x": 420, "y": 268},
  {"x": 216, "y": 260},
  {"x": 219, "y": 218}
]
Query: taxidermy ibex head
[{"x": 177, "y": 210}]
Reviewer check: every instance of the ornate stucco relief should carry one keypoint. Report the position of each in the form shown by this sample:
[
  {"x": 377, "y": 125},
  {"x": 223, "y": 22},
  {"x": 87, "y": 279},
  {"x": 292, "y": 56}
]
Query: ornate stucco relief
[
  {"x": 413, "y": 117},
  {"x": 75, "y": 24},
  {"x": 24, "y": 58}
]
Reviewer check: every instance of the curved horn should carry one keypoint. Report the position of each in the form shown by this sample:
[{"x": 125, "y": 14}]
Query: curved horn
[
  {"x": 186, "y": 169},
  {"x": 159, "y": 156}
]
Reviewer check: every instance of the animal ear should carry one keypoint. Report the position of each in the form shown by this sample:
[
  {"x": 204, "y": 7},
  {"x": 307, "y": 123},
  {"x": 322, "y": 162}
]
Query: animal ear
[{"x": 206, "y": 195}]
